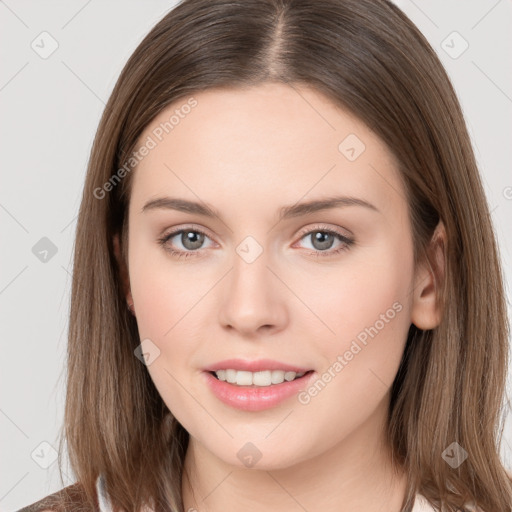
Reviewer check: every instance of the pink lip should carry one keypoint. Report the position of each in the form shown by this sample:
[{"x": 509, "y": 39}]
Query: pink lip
[
  {"x": 251, "y": 398},
  {"x": 254, "y": 366}
]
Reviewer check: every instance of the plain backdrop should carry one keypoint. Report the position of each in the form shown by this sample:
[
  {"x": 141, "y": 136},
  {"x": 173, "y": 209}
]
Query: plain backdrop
[{"x": 59, "y": 62}]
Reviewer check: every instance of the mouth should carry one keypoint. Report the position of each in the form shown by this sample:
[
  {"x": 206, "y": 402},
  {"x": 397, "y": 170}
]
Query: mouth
[
  {"x": 260, "y": 379},
  {"x": 256, "y": 391}
]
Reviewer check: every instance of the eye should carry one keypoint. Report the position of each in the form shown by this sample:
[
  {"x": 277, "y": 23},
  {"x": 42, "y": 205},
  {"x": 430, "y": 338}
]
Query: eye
[
  {"x": 323, "y": 239},
  {"x": 190, "y": 239}
]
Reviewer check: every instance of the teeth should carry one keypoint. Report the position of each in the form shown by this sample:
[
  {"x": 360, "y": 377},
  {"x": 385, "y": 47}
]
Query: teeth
[{"x": 263, "y": 378}]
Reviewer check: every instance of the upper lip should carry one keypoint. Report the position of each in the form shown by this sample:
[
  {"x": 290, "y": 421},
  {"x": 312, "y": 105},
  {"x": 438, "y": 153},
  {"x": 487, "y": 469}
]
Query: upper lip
[{"x": 254, "y": 366}]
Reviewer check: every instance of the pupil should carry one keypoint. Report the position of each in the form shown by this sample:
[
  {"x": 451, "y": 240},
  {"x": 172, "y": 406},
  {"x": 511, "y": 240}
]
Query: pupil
[
  {"x": 192, "y": 239},
  {"x": 324, "y": 240}
]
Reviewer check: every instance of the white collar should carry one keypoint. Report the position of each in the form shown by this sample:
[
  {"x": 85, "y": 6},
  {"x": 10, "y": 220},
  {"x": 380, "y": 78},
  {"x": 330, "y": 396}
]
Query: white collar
[
  {"x": 421, "y": 504},
  {"x": 103, "y": 499}
]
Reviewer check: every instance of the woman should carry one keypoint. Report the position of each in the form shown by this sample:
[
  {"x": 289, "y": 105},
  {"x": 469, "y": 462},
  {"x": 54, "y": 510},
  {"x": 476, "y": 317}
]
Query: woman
[{"x": 287, "y": 291}]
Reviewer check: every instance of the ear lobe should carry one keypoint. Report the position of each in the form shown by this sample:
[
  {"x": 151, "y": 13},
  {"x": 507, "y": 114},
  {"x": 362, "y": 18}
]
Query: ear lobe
[
  {"x": 123, "y": 271},
  {"x": 426, "y": 310}
]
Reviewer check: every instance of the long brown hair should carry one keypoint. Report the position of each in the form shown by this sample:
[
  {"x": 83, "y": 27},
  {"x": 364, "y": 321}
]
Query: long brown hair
[{"x": 369, "y": 58}]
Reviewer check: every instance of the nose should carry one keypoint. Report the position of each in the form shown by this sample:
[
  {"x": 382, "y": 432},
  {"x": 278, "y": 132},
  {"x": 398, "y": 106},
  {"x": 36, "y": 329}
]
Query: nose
[{"x": 253, "y": 298}]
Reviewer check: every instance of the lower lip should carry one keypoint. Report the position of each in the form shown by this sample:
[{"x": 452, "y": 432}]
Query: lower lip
[{"x": 248, "y": 398}]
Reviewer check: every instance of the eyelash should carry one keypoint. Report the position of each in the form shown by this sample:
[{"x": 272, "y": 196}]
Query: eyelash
[{"x": 347, "y": 242}]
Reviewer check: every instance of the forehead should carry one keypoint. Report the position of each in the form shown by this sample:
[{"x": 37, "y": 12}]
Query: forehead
[{"x": 264, "y": 144}]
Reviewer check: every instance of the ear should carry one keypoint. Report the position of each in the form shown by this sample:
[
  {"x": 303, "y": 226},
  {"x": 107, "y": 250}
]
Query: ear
[
  {"x": 123, "y": 272},
  {"x": 426, "y": 310}
]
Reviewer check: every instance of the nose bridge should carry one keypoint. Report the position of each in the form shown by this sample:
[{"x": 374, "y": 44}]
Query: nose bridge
[{"x": 252, "y": 298}]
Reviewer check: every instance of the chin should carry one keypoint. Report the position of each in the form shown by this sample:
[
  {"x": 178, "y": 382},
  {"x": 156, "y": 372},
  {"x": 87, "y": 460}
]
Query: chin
[{"x": 263, "y": 455}]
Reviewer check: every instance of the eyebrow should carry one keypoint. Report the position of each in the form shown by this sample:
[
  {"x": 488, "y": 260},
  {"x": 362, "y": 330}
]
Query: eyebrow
[{"x": 286, "y": 212}]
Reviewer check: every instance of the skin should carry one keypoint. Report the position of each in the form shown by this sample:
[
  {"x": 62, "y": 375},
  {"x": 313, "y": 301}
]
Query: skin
[{"x": 248, "y": 153}]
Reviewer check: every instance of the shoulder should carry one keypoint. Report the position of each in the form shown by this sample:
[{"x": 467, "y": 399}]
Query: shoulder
[{"x": 71, "y": 498}]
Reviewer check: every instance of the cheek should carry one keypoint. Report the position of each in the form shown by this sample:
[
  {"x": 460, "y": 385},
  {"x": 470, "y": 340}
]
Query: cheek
[
  {"x": 164, "y": 304},
  {"x": 370, "y": 315},
  {"x": 368, "y": 307},
  {"x": 375, "y": 299},
  {"x": 165, "y": 291},
  {"x": 171, "y": 304}
]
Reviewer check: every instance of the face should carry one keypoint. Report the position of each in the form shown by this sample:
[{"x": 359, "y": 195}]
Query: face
[{"x": 326, "y": 289}]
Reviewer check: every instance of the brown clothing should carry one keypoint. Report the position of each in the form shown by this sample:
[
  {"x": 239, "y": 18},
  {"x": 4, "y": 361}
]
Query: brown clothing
[{"x": 69, "y": 499}]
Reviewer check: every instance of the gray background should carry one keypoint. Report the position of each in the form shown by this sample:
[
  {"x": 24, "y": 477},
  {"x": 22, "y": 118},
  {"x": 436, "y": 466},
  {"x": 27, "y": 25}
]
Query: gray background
[{"x": 50, "y": 107}]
